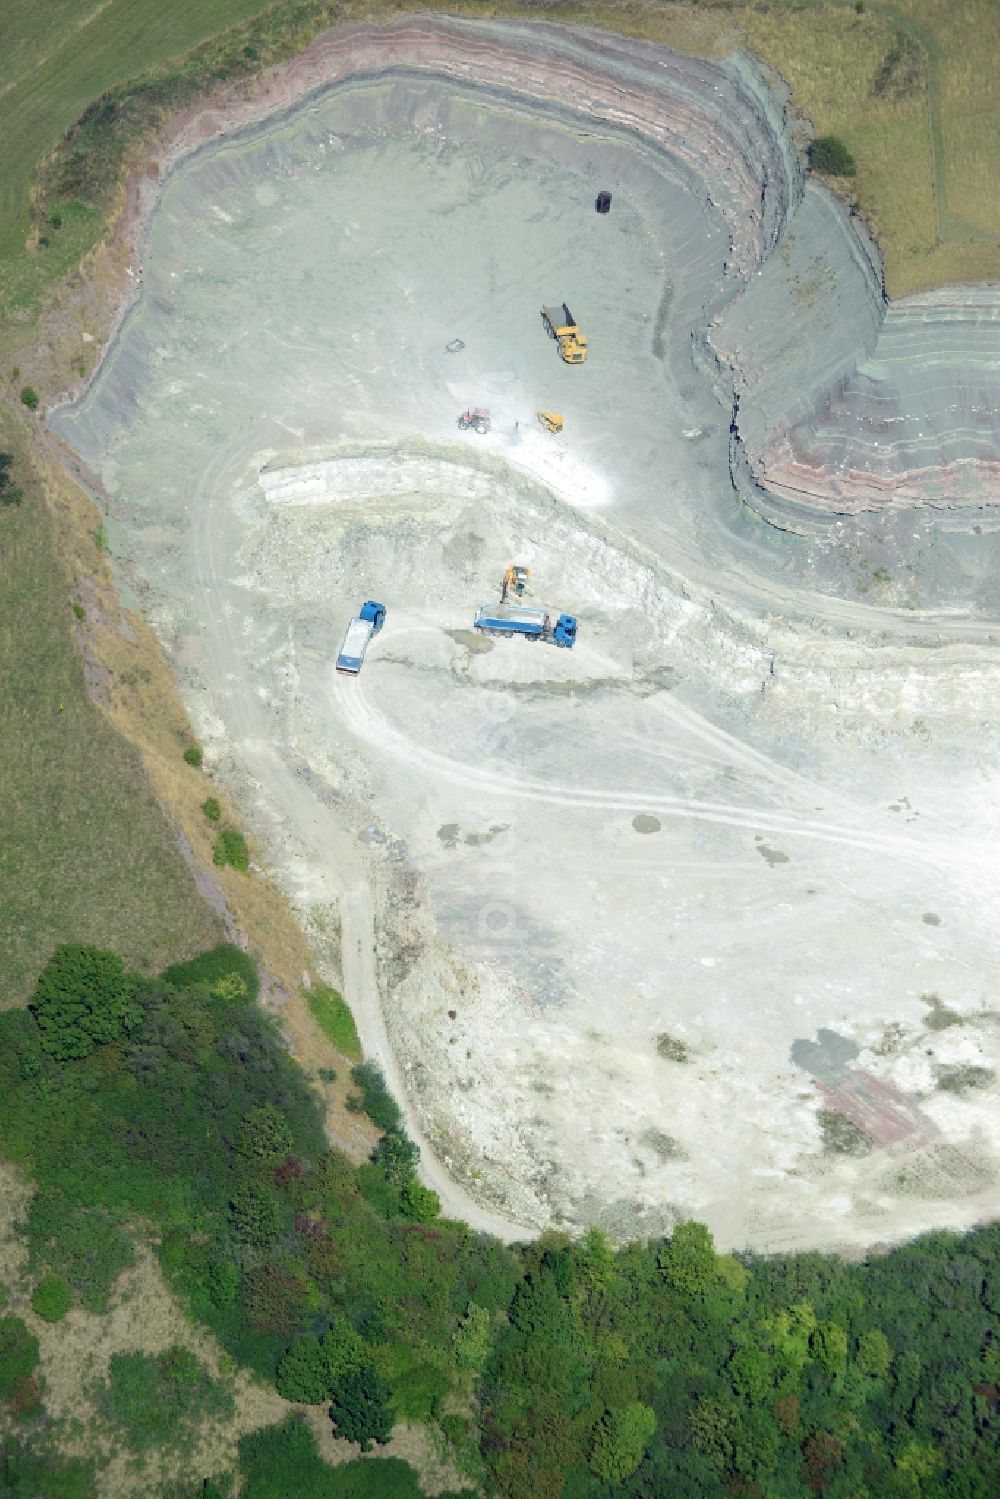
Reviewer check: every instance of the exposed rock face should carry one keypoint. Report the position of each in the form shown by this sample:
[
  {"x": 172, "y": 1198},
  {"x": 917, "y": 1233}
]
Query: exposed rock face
[
  {"x": 841, "y": 405},
  {"x": 915, "y": 423}
]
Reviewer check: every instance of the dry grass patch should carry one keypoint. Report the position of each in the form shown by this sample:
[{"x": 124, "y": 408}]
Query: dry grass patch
[
  {"x": 415, "y": 1445},
  {"x": 134, "y": 685},
  {"x": 87, "y": 855}
]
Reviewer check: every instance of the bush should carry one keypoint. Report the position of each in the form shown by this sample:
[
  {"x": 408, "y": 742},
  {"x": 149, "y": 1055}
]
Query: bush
[
  {"x": 52, "y": 1298},
  {"x": 419, "y": 1202},
  {"x": 378, "y": 1103},
  {"x": 84, "y": 998},
  {"x": 193, "y": 755},
  {"x": 331, "y": 1013},
  {"x": 282, "y": 1460},
  {"x": 85, "y": 1246},
  {"x": 231, "y": 848},
  {"x": 8, "y": 494},
  {"x": 214, "y": 967},
  {"x": 829, "y": 154},
  {"x": 158, "y": 1400},
  {"x": 211, "y": 809},
  {"x": 31, "y": 1474},
  {"x": 256, "y": 1214},
  {"x": 29, "y": 397},
  {"x": 18, "y": 1355},
  {"x": 265, "y": 1135}
]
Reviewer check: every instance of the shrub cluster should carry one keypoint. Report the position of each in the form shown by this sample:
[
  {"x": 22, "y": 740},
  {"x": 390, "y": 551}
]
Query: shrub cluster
[
  {"x": 663, "y": 1368},
  {"x": 9, "y": 493},
  {"x": 231, "y": 849}
]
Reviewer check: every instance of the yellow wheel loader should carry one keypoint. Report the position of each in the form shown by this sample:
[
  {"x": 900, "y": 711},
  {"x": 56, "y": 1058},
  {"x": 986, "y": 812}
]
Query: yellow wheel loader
[{"x": 560, "y": 325}]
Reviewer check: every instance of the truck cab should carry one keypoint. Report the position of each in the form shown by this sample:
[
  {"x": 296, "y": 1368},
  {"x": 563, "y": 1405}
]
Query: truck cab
[
  {"x": 564, "y": 633},
  {"x": 374, "y": 613}
]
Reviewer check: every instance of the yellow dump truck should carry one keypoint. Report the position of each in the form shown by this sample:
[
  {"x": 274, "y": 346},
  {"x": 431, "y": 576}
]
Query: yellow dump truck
[{"x": 559, "y": 324}]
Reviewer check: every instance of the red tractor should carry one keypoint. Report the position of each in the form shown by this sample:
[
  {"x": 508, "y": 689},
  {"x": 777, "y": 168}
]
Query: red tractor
[{"x": 480, "y": 419}]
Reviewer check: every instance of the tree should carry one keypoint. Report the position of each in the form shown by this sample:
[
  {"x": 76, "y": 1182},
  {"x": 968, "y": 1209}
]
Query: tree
[
  {"x": 828, "y": 1345},
  {"x": 595, "y": 1260},
  {"x": 84, "y": 998},
  {"x": 687, "y": 1260},
  {"x": 874, "y": 1354},
  {"x": 223, "y": 1282},
  {"x": 620, "y": 1441},
  {"x": 823, "y": 1453},
  {"x": 343, "y": 1351},
  {"x": 313, "y": 1367},
  {"x": 829, "y": 154},
  {"x": 396, "y": 1156},
  {"x": 751, "y": 1372},
  {"x": 473, "y": 1337},
  {"x": 710, "y": 1425},
  {"x": 359, "y": 1407},
  {"x": 303, "y": 1375}
]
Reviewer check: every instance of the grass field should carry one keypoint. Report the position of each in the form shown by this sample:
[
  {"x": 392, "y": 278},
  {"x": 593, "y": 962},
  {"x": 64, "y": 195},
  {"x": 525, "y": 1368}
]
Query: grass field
[
  {"x": 86, "y": 854},
  {"x": 911, "y": 90},
  {"x": 959, "y": 37}
]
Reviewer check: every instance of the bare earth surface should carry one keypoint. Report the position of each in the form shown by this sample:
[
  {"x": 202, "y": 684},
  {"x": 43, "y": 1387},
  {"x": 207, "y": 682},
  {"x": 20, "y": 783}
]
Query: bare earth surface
[{"x": 696, "y": 919}]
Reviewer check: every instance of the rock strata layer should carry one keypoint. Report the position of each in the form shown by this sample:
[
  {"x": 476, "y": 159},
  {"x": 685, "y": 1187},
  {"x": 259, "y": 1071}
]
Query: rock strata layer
[{"x": 841, "y": 404}]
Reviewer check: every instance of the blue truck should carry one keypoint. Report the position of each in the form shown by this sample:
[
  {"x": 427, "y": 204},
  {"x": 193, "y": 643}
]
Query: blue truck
[
  {"x": 358, "y": 636},
  {"x": 533, "y": 624}
]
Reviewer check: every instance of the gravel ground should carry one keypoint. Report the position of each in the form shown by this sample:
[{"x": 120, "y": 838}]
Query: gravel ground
[{"x": 597, "y": 905}]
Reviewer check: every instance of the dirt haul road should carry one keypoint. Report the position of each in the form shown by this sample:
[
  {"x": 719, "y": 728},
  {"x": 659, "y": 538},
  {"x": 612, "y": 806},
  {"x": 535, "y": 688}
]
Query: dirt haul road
[{"x": 696, "y": 919}]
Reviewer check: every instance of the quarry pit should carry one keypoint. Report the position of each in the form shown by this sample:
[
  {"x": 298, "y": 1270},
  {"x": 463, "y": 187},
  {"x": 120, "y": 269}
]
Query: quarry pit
[{"x": 694, "y": 920}]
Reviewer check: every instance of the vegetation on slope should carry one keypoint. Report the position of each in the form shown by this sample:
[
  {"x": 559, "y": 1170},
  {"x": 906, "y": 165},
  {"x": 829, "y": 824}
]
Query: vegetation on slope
[
  {"x": 86, "y": 851},
  {"x": 559, "y": 1370}
]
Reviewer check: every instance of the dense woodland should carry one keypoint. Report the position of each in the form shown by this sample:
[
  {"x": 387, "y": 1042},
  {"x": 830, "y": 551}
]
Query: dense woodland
[{"x": 558, "y": 1370}]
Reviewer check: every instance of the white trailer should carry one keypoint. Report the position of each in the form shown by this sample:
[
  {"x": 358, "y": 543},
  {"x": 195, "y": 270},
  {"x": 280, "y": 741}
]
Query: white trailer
[{"x": 358, "y": 636}]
